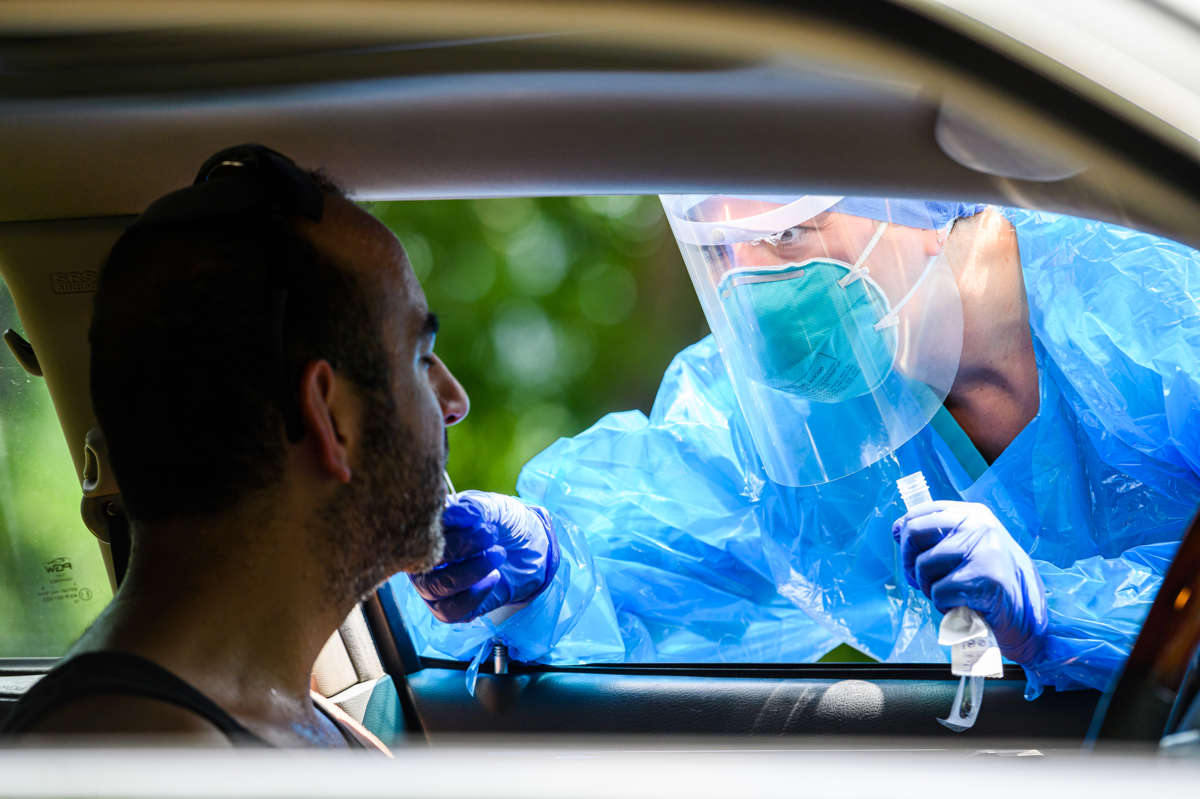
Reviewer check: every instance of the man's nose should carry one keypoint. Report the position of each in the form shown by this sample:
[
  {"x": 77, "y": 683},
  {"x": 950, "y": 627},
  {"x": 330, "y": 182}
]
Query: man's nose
[{"x": 451, "y": 395}]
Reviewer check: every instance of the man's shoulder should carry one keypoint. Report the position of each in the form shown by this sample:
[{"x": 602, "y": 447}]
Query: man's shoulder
[
  {"x": 108, "y": 692},
  {"x": 127, "y": 716}
]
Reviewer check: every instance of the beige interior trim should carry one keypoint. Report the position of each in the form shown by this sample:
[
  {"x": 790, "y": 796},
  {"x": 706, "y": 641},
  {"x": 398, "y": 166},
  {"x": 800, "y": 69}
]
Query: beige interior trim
[
  {"x": 360, "y": 646},
  {"x": 333, "y": 669},
  {"x": 348, "y": 666},
  {"x": 354, "y": 700}
]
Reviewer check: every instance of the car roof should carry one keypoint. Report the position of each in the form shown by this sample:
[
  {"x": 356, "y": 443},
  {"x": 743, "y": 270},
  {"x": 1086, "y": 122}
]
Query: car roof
[{"x": 109, "y": 104}]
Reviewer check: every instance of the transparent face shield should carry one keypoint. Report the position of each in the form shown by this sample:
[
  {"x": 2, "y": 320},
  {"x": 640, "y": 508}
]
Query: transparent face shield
[{"x": 837, "y": 318}]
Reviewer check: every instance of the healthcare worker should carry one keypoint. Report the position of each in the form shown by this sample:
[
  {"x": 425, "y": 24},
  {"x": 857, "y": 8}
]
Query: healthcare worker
[{"x": 1040, "y": 370}]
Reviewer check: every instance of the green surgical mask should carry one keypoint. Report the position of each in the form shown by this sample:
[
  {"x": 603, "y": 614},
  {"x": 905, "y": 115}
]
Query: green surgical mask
[{"x": 821, "y": 329}]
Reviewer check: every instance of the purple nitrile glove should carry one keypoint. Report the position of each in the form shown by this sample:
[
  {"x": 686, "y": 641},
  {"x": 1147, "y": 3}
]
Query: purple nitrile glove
[
  {"x": 959, "y": 553},
  {"x": 498, "y": 551}
]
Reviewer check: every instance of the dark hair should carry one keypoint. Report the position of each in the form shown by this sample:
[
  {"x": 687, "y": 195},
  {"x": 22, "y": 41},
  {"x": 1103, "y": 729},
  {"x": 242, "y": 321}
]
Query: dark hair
[{"x": 192, "y": 381}]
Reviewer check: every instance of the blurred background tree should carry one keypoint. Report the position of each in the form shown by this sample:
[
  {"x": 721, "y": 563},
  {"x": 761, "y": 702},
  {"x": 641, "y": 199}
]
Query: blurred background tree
[{"x": 553, "y": 311}]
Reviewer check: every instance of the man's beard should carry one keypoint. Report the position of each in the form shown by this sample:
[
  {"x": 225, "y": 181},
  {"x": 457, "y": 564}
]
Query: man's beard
[{"x": 388, "y": 518}]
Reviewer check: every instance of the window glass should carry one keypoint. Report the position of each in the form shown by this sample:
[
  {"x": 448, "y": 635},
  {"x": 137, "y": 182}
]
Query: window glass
[
  {"x": 52, "y": 577},
  {"x": 683, "y": 546}
]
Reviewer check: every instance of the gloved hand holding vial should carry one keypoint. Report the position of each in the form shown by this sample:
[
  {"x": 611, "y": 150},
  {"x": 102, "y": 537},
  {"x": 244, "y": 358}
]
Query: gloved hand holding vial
[{"x": 975, "y": 653}]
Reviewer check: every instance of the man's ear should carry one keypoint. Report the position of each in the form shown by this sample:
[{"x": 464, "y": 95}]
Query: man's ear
[{"x": 327, "y": 410}]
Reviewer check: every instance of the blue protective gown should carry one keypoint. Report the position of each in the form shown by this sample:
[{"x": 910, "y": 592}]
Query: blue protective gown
[{"x": 676, "y": 547}]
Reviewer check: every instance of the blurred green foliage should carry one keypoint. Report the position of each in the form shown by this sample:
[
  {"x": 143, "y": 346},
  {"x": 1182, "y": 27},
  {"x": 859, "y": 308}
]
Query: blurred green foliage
[{"x": 553, "y": 312}]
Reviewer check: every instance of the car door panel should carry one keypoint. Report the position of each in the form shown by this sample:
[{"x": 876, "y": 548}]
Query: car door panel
[
  {"x": 624, "y": 701},
  {"x": 751, "y": 699}
]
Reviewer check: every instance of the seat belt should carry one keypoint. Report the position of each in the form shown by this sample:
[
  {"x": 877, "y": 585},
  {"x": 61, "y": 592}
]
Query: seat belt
[{"x": 101, "y": 507}]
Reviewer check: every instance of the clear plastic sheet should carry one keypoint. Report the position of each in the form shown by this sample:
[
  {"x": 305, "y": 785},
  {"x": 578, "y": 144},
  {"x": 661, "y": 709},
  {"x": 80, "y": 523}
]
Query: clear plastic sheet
[{"x": 680, "y": 549}]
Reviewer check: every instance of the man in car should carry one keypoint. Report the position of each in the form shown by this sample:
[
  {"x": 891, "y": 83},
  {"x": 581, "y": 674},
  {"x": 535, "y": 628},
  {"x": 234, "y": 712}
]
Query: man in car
[
  {"x": 262, "y": 367},
  {"x": 1040, "y": 371}
]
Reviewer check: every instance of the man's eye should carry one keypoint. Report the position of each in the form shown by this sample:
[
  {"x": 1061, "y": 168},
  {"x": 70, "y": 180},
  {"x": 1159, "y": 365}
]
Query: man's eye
[
  {"x": 789, "y": 236},
  {"x": 427, "y": 360}
]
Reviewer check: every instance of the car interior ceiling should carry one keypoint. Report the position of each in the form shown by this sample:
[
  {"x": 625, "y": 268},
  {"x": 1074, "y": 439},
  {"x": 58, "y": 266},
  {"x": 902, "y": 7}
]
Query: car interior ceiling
[{"x": 574, "y": 113}]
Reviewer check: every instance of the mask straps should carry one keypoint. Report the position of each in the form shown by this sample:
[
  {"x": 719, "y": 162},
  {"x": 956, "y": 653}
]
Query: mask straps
[
  {"x": 858, "y": 270},
  {"x": 892, "y": 317}
]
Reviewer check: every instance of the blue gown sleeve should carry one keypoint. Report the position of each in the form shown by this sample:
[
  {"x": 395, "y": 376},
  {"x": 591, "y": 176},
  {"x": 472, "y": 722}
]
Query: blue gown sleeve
[
  {"x": 661, "y": 551},
  {"x": 1118, "y": 312},
  {"x": 1096, "y": 609},
  {"x": 669, "y": 512}
]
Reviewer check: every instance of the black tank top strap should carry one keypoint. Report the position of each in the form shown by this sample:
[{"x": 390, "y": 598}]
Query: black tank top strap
[{"x": 97, "y": 673}]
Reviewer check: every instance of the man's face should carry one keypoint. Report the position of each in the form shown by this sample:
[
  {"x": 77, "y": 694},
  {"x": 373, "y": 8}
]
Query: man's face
[{"x": 390, "y": 513}]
